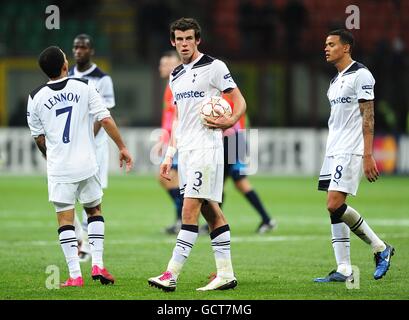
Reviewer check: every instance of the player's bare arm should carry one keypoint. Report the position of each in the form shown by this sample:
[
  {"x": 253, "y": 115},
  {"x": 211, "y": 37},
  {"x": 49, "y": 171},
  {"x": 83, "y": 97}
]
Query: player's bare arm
[
  {"x": 368, "y": 121},
  {"x": 40, "y": 141},
  {"x": 112, "y": 130},
  {"x": 166, "y": 165},
  {"x": 225, "y": 122}
]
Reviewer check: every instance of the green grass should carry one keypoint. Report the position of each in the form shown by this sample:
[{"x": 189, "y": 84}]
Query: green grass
[{"x": 278, "y": 265}]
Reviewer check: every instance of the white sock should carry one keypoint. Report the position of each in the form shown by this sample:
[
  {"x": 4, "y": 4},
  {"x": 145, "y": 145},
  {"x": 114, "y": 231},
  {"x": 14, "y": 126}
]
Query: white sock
[
  {"x": 220, "y": 238},
  {"x": 184, "y": 243},
  {"x": 69, "y": 245},
  {"x": 341, "y": 244},
  {"x": 96, "y": 231},
  {"x": 359, "y": 226}
]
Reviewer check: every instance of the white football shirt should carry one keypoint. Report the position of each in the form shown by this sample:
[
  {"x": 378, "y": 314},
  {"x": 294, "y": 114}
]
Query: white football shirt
[
  {"x": 61, "y": 110},
  {"x": 103, "y": 83},
  {"x": 191, "y": 84},
  {"x": 345, "y": 123}
]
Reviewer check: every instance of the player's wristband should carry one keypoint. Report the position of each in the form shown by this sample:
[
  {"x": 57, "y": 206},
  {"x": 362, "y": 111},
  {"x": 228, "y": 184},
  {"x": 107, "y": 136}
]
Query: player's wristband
[{"x": 170, "y": 152}]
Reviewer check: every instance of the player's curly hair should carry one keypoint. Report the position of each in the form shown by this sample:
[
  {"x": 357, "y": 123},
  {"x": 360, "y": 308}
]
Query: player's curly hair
[{"x": 184, "y": 24}]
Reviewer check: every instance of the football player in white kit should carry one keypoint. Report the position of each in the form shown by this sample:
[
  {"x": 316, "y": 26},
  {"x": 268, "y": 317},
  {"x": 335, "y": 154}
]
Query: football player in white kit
[
  {"x": 200, "y": 150},
  {"x": 83, "y": 50},
  {"x": 348, "y": 151},
  {"x": 58, "y": 114}
]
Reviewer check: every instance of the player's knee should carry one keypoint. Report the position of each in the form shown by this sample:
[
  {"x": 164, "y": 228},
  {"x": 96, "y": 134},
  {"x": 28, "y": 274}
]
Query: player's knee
[
  {"x": 336, "y": 210},
  {"x": 333, "y": 203},
  {"x": 93, "y": 208}
]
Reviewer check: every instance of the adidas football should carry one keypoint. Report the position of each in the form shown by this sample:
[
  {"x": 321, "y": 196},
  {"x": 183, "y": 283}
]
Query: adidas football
[{"x": 214, "y": 107}]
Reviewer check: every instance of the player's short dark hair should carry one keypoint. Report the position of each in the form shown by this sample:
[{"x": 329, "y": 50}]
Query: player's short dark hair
[
  {"x": 51, "y": 61},
  {"x": 345, "y": 36},
  {"x": 184, "y": 24},
  {"x": 84, "y": 37}
]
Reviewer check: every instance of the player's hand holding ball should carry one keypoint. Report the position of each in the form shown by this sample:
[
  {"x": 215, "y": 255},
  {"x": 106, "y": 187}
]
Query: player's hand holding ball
[{"x": 216, "y": 113}]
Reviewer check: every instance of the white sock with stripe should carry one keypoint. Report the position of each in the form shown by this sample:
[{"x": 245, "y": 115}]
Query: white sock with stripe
[
  {"x": 341, "y": 244},
  {"x": 96, "y": 231},
  {"x": 69, "y": 245},
  {"x": 184, "y": 243},
  {"x": 220, "y": 238},
  {"x": 359, "y": 226}
]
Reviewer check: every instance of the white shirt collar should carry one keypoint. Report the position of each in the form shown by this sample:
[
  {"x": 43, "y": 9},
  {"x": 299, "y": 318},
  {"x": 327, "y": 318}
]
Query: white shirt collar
[
  {"x": 84, "y": 73},
  {"x": 58, "y": 80},
  {"x": 343, "y": 71},
  {"x": 190, "y": 64}
]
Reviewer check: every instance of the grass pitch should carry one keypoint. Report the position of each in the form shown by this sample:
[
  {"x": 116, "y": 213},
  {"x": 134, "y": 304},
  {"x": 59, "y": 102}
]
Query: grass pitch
[{"x": 276, "y": 265}]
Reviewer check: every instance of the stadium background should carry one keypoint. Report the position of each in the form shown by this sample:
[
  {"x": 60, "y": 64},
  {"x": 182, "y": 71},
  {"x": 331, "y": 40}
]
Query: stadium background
[{"x": 274, "y": 49}]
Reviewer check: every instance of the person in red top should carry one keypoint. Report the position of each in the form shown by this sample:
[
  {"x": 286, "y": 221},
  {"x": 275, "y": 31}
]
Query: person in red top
[
  {"x": 168, "y": 62},
  {"x": 235, "y": 171}
]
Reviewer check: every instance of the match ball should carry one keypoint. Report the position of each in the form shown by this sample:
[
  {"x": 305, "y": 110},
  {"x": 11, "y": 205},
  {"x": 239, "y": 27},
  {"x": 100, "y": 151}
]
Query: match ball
[{"x": 215, "y": 107}]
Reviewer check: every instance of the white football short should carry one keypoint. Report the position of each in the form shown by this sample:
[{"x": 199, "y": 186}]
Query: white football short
[
  {"x": 102, "y": 154},
  {"x": 342, "y": 173},
  {"x": 64, "y": 195},
  {"x": 200, "y": 173}
]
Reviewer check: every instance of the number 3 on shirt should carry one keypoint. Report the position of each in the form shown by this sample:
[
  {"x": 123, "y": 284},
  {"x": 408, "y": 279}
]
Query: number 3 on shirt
[{"x": 66, "y": 133}]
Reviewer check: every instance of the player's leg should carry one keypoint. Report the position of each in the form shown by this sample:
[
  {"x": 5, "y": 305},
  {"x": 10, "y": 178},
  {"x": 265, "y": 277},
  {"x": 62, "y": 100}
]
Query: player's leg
[
  {"x": 343, "y": 178},
  {"x": 346, "y": 176},
  {"x": 69, "y": 243},
  {"x": 339, "y": 230},
  {"x": 219, "y": 228},
  {"x": 220, "y": 240},
  {"x": 90, "y": 195},
  {"x": 102, "y": 156},
  {"x": 62, "y": 195},
  {"x": 355, "y": 222},
  {"x": 188, "y": 233},
  {"x": 186, "y": 238}
]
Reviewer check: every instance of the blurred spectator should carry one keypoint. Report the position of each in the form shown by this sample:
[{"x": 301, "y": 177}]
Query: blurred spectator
[
  {"x": 257, "y": 24},
  {"x": 19, "y": 116},
  {"x": 71, "y": 8},
  {"x": 295, "y": 19},
  {"x": 399, "y": 98},
  {"x": 390, "y": 67},
  {"x": 152, "y": 24}
]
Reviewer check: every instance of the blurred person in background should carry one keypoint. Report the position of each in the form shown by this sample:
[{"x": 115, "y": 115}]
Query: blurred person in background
[
  {"x": 168, "y": 62},
  {"x": 83, "y": 51}
]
